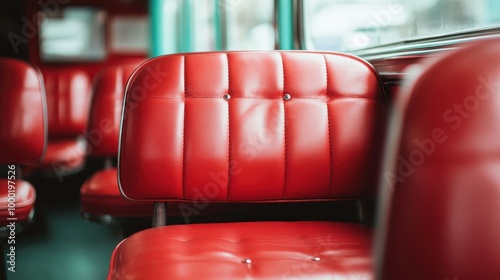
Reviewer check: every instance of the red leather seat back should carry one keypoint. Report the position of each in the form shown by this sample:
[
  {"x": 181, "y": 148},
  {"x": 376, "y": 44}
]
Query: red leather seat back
[
  {"x": 68, "y": 99},
  {"x": 251, "y": 126},
  {"x": 106, "y": 109},
  {"x": 442, "y": 188},
  {"x": 23, "y": 118}
]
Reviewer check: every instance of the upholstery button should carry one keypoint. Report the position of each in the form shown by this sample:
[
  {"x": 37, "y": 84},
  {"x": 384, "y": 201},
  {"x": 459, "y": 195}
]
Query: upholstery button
[
  {"x": 316, "y": 259},
  {"x": 247, "y": 261},
  {"x": 287, "y": 97},
  {"x": 226, "y": 96}
]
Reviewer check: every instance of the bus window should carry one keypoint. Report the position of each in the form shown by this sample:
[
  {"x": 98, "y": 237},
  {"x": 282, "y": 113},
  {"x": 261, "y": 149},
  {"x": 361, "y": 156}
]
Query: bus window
[
  {"x": 203, "y": 20},
  {"x": 76, "y": 34},
  {"x": 182, "y": 26},
  {"x": 129, "y": 34},
  {"x": 248, "y": 25},
  {"x": 351, "y": 25},
  {"x": 208, "y": 25}
]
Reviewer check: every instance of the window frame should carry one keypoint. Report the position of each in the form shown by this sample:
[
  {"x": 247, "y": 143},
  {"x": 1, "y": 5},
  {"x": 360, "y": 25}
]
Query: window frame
[{"x": 420, "y": 46}]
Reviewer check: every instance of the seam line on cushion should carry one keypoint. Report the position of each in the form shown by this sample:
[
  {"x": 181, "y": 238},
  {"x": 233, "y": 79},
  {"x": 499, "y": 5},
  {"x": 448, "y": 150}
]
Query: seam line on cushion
[
  {"x": 263, "y": 98},
  {"x": 284, "y": 126},
  {"x": 329, "y": 130},
  {"x": 184, "y": 131},
  {"x": 56, "y": 96},
  {"x": 62, "y": 111},
  {"x": 228, "y": 131}
]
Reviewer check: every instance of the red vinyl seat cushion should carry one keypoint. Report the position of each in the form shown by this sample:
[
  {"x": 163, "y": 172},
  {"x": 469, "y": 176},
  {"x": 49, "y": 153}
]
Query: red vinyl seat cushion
[
  {"x": 100, "y": 195},
  {"x": 23, "y": 116},
  {"x": 440, "y": 198},
  {"x": 275, "y": 250},
  {"x": 71, "y": 153},
  {"x": 250, "y": 127},
  {"x": 64, "y": 156},
  {"x": 103, "y": 128},
  {"x": 68, "y": 98},
  {"x": 254, "y": 126},
  {"x": 24, "y": 201}
]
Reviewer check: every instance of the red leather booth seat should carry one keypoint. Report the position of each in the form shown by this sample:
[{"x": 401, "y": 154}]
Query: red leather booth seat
[
  {"x": 441, "y": 192},
  {"x": 250, "y": 127},
  {"x": 68, "y": 98},
  {"x": 256, "y": 250},
  {"x": 23, "y": 133},
  {"x": 24, "y": 201},
  {"x": 100, "y": 194}
]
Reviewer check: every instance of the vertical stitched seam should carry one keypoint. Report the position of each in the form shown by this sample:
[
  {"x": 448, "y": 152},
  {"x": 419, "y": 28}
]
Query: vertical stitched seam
[
  {"x": 63, "y": 93},
  {"x": 228, "y": 131},
  {"x": 184, "y": 130},
  {"x": 284, "y": 125},
  {"x": 58, "y": 95},
  {"x": 329, "y": 129}
]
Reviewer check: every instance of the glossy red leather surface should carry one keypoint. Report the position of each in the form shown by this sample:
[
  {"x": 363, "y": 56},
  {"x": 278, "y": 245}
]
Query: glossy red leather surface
[
  {"x": 61, "y": 156},
  {"x": 24, "y": 201},
  {"x": 106, "y": 109},
  {"x": 68, "y": 99},
  {"x": 182, "y": 140},
  {"x": 445, "y": 200},
  {"x": 277, "y": 250},
  {"x": 100, "y": 195},
  {"x": 23, "y": 133}
]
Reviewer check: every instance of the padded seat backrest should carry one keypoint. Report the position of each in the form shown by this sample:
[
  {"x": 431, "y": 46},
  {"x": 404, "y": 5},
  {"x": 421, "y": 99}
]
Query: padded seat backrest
[
  {"x": 106, "y": 109},
  {"x": 68, "y": 99},
  {"x": 23, "y": 129},
  {"x": 251, "y": 126},
  {"x": 441, "y": 189}
]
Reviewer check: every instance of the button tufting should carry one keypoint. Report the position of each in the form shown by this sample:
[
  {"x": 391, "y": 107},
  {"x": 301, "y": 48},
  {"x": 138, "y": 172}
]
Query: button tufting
[
  {"x": 316, "y": 259},
  {"x": 226, "y": 96},
  {"x": 287, "y": 97},
  {"x": 247, "y": 261}
]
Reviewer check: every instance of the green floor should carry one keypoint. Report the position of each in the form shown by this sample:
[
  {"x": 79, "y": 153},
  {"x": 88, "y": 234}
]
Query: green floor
[{"x": 60, "y": 244}]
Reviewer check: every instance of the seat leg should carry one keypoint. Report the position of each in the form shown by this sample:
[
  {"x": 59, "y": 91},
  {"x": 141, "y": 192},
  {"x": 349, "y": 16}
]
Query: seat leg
[{"x": 160, "y": 214}]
